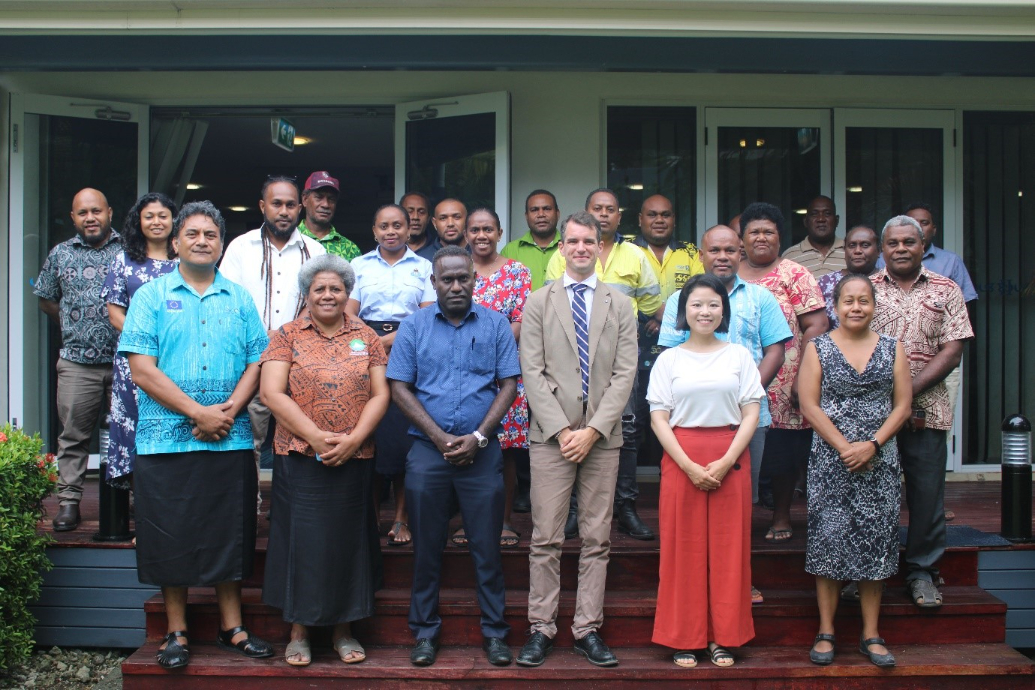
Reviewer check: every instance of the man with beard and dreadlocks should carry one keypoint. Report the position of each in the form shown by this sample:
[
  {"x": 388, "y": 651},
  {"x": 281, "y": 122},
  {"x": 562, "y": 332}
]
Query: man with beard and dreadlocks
[{"x": 278, "y": 249}]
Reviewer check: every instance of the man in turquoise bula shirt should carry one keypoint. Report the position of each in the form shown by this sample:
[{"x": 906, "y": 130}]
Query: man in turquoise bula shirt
[{"x": 193, "y": 340}]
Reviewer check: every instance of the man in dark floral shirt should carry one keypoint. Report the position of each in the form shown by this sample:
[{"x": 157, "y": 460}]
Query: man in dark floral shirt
[{"x": 69, "y": 289}]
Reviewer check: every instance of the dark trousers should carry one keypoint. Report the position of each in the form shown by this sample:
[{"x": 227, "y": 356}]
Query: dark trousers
[
  {"x": 923, "y": 463},
  {"x": 430, "y": 484}
]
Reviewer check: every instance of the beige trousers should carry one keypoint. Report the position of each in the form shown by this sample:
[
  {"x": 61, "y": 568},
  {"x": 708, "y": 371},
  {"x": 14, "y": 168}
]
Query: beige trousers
[
  {"x": 552, "y": 479},
  {"x": 83, "y": 396}
]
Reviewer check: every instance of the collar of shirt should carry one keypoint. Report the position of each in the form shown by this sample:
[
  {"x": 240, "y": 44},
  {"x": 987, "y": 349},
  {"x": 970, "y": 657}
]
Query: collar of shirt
[
  {"x": 673, "y": 244},
  {"x": 884, "y": 276},
  {"x": 112, "y": 237},
  {"x": 219, "y": 283},
  {"x": 471, "y": 313},
  {"x": 350, "y": 324},
  {"x": 331, "y": 236},
  {"x": 738, "y": 283},
  {"x": 807, "y": 246},
  {"x": 296, "y": 238},
  {"x": 590, "y": 282},
  {"x": 527, "y": 239},
  {"x": 407, "y": 255}
]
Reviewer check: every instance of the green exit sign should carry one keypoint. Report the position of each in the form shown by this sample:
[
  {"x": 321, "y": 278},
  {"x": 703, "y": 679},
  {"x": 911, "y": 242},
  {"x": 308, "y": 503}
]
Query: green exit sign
[{"x": 282, "y": 133}]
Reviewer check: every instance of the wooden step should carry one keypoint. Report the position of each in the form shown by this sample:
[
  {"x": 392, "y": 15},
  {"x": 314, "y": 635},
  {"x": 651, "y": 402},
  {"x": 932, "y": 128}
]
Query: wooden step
[
  {"x": 787, "y": 618},
  {"x": 977, "y": 666},
  {"x": 633, "y": 567}
]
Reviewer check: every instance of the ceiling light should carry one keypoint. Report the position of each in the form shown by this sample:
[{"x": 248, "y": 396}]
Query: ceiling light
[
  {"x": 302, "y": 141},
  {"x": 1020, "y": 192},
  {"x": 743, "y": 143},
  {"x": 635, "y": 187},
  {"x": 238, "y": 209},
  {"x": 193, "y": 186},
  {"x": 801, "y": 211},
  {"x": 855, "y": 189},
  {"x": 759, "y": 143}
]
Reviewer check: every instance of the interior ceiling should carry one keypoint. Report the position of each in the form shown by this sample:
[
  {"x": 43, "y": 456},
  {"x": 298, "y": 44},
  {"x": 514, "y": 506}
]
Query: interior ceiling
[{"x": 237, "y": 156}]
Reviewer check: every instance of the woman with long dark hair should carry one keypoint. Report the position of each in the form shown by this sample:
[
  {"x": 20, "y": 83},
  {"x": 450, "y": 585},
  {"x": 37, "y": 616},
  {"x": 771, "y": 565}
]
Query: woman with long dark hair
[{"x": 147, "y": 254}]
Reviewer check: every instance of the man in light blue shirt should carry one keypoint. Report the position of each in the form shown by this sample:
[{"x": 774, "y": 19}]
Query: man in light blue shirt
[
  {"x": 392, "y": 282},
  {"x": 756, "y": 322},
  {"x": 193, "y": 340}
]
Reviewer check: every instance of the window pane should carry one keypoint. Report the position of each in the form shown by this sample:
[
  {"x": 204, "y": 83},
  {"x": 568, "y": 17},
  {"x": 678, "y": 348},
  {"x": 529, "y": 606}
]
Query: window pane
[
  {"x": 999, "y": 368},
  {"x": 888, "y": 168},
  {"x": 778, "y": 165},
  {"x": 453, "y": 157},
  {"x": 652, "y": 151}
]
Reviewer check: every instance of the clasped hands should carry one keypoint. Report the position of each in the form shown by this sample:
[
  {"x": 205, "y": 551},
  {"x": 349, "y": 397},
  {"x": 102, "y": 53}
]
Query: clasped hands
[
  {"x": 334, "y": 449},
  {"x": 457, "y": 450},
  {"x": 709, "y": 477},
  {"x": 212, "y": 423},
  {"x": 858, "y": 456},
  {"x": 575, "y": 445}
]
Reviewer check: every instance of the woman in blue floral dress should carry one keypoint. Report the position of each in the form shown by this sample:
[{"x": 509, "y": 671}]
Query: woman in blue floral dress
[
  {"x": 502, "y": 285},
  {"x": 147, "y": 254}
]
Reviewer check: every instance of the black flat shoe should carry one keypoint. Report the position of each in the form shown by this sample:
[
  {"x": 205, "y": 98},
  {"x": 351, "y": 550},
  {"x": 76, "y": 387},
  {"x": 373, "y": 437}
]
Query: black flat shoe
[
  {"x": 251, "y": 646},
  {"x": 882, "y": 660},
  {"x": 67, "y": 518},
  {"x": 535, "y": 650},
  {"x": 522, "y": 504},
  {"x": 424, "y": 652},
  {"x": 571, "y": 527},
  {"x": 175, "y": 655},
  {"x": 594, "y": 649},
  {"x": 497, "y": 651},
  {"x": 822, "y": 658}
]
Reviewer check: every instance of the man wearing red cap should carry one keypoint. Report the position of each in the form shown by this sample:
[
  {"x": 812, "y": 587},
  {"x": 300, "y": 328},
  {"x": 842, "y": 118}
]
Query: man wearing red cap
[{"x": 320, "y": 199}]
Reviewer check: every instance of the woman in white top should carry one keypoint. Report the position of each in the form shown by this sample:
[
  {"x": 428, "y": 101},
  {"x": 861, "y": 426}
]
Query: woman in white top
[{"x": 704, "y": 398}]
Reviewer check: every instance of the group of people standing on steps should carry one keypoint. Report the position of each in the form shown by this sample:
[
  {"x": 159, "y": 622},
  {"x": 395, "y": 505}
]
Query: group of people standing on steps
[{"x": 480, "y": 381}]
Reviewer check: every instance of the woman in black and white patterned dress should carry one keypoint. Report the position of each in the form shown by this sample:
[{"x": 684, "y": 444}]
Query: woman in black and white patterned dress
[{"x": 855, "y": 389}]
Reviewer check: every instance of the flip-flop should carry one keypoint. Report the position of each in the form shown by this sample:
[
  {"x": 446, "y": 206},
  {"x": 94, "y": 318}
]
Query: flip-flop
[
  {"x": 778, "y": 534},
  {"x": 301, "y": 648},
  {"x": 392, "y": 541},
  {"x": 459, "y": 537},
  {"x": 685, "y": 659},
  {"x": 756, "y": 596},
  {"x": 350, "y": 645},
  {"x": 507, "y": 540}
]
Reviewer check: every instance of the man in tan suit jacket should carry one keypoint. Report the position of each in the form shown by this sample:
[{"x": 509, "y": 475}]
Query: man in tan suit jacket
[{"x": 575, "y": 433}]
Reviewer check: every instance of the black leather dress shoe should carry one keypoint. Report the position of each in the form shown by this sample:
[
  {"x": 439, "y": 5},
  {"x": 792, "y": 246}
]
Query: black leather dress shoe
[
  {"x": 630, "y": 523},
  {"x": 594, "y": 649},
  {"x": 571, "y": 527},
  {"x": 522, "y": 504},
  {"x": 67, "y": 518},
  {"x": 535, "y": 650},
  {"x": 497, "y": 651},
  {"x": 424, "y": 652}
]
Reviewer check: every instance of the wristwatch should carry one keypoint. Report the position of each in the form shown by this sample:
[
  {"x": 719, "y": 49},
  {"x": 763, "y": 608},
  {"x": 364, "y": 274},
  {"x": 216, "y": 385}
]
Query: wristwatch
[
  {"x": 482, "y": 441},
  {"x": 876, "y": 445}
]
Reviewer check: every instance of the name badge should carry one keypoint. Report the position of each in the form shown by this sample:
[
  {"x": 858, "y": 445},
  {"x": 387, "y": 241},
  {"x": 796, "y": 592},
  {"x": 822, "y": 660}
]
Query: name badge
[{"x": 173, "y": 305}]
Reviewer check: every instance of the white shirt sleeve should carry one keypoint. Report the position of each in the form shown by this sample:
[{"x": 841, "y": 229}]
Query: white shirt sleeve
[
  {"x": 659, "y": 389},
  {"x": 750, "y": 380}
]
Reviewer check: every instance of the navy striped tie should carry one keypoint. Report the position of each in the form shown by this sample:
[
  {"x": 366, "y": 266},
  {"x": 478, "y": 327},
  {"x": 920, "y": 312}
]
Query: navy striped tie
[{"x": 578, "y": 313}]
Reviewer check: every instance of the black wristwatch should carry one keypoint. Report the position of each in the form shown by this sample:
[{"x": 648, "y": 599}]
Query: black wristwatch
[
  {"x": 876, "y": 445},
  {"x": 482, "y": 441}
]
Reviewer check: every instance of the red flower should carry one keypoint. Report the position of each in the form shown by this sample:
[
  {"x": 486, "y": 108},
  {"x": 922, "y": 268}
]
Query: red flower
[{"x": 3, "y": 437}]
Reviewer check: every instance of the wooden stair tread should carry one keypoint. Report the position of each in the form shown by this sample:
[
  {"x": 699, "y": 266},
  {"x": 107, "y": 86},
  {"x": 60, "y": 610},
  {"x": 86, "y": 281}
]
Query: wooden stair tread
[{"x": 469, "y": 663}]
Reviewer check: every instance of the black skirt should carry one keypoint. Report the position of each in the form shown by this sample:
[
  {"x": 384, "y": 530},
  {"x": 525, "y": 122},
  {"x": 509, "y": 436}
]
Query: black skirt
[
  {"x": 195, "y": 517},
  {"x": 323, "y": 563},
  {"x": 393, "y": 441}
]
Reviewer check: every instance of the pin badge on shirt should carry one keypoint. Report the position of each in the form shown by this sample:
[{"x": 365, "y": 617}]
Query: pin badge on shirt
[
  {"x": 358, "y": 346},
  {"x": 173, "y": 305}
]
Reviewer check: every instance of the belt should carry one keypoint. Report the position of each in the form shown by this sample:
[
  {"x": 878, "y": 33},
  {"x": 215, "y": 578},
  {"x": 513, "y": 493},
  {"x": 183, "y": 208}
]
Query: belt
[{"x": 383, "y": 327}]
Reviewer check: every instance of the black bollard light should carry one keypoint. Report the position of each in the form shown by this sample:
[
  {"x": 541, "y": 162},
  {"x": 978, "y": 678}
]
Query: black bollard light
[
  {"x": 1016, "y": 484},
  {"x": 114, "y": 503}
]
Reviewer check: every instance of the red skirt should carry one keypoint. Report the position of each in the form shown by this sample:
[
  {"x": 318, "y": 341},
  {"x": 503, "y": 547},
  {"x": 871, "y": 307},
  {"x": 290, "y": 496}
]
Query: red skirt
[{"x": 704, "y": 590}]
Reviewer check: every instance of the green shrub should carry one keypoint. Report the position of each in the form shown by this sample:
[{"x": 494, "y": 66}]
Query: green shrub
[{"x": 26, "y": 478}]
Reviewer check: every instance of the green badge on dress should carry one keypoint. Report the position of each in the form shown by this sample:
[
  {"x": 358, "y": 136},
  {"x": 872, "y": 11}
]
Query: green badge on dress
[{"x": 357, "y": 345}]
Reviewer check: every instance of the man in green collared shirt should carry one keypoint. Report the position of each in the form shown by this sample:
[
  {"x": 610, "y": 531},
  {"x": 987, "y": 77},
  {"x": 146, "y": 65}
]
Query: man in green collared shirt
[
  {"x": 535, "y": 248},
  {"x": 320, "y": 199}
]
